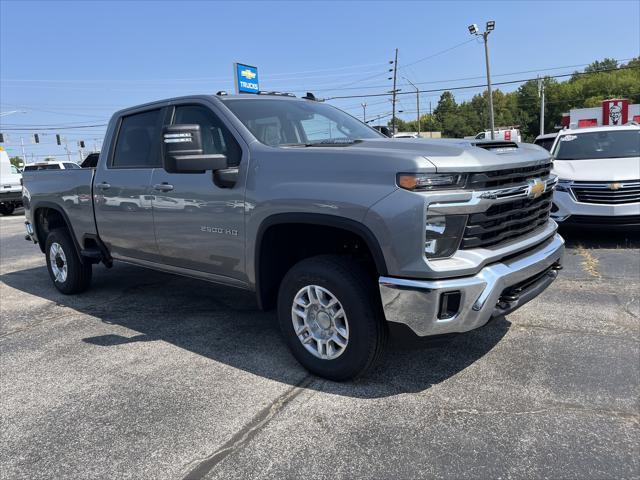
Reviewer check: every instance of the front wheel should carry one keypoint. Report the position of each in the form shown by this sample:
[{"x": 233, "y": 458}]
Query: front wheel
[
  {"x": 330, "y": 315},
  {"x": 68, "y": 273}
]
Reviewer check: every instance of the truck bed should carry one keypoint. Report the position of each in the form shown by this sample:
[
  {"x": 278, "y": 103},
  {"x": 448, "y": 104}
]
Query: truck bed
[{"x": 68, "y": 189}]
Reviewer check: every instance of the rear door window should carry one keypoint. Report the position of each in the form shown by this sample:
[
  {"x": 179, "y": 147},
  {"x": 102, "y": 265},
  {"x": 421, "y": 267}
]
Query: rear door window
[{"x": 138, "y": 144}]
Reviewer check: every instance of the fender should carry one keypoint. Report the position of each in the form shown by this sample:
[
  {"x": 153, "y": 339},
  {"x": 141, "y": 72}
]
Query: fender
[
  {"x": 347, "y": 224},
  {"x": 36, "y": 225}
]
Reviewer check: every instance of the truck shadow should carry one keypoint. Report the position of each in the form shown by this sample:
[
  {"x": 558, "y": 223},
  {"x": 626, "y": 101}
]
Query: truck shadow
[
  {"x": 224, "y": 325},
  {"x": 590, "y": 238}
]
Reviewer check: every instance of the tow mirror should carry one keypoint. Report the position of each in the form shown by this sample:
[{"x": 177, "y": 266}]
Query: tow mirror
[{"x": 183, "y": 152}]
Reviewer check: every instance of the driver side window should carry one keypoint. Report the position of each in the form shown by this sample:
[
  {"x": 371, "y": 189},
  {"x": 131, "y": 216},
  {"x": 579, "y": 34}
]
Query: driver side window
[{"x": 216, "y": 138}]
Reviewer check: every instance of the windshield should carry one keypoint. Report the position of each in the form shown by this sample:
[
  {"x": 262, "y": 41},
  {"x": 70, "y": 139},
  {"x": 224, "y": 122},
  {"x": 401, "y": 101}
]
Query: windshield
[
  {"x": 593, "y": 145},
  {"x": 298, "y": 123}
]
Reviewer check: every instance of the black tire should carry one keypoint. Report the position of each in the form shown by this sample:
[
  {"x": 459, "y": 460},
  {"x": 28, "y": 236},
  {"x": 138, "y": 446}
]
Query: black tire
[
  {"x": 7, "y": 209},
  {"x": 78, "y": 274},
  {"x": 357, "y": 293}
]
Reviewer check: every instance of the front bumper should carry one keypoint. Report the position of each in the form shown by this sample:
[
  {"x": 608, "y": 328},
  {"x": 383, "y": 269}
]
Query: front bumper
[
  {"x": 13, "y": 197},
  {"x": 567, "y": 210},
  {"x": 495, "y": 290}
]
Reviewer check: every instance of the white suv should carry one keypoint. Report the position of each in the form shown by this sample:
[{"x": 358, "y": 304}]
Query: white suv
[
  {"x": 51, "y": 166},
  {"x": 599, "y": 176}
]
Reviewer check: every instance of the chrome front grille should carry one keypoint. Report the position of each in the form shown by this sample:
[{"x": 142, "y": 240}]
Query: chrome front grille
[
  {"x": 506, "y": 221},
  {"x": 608, "y": 193},
  {"x": 508, "y": 177}
]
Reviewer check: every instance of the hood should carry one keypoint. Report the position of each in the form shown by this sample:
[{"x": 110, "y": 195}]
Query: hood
[
  {"x": 455, "y": 155},
  {"x": 601, "y": 169}
]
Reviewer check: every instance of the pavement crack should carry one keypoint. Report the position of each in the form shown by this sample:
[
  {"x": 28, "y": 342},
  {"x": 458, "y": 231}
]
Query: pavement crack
[{"x": 248, "y": 432}]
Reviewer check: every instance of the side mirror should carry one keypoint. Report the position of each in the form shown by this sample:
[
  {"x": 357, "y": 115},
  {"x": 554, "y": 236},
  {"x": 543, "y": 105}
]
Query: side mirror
[{"x": 183, "y": 152}]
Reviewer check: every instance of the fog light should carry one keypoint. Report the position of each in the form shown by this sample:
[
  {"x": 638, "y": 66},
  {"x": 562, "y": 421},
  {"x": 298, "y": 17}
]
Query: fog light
[
  {"x": 449, "y": 305},
  {"x": 443, "y": 235}
]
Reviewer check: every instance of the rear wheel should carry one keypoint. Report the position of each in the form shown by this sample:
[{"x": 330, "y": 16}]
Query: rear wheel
[
  {"x": 331, "y": 318},
  {"x": 7, "y": 209},
  {"x": 68, "y": 273}
]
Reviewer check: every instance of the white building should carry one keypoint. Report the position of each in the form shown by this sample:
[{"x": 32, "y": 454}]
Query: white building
[{"x": 612, "y": 112}]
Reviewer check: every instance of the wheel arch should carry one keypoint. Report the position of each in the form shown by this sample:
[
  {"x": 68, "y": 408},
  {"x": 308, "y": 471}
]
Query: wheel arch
[{"x": 264, "y": 288}]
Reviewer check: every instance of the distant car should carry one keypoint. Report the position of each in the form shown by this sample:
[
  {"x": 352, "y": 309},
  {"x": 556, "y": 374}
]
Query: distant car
[
  {"x": 51, "y": 166},
  {"x": 599, "y": 176},
  {"x": 546, "y": 141},
  {"x": 507, "y": 134},
  {"x": 10, "y": 185}
]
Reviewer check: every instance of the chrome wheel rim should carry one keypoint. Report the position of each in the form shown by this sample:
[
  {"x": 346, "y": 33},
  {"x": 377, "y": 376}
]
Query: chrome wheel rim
[
  {"x": 320, "y": 322},
  {"x": 58, "y": 261}
]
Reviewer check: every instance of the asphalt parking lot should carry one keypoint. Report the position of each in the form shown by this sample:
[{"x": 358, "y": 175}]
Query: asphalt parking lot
[{"x": 149, "y": 375}]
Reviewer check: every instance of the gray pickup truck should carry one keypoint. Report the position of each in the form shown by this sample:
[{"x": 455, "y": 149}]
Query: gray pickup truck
[{"x": 344, "y": 230}]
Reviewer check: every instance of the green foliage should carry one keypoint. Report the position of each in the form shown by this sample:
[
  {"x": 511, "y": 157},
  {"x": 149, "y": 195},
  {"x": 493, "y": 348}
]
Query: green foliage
[
  {"x": 522, "y": 107},
  {"x": 15, "y": 161}
]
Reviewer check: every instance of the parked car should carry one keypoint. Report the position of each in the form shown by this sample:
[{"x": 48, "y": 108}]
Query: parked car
[
  {"x": 506, "y": 134},
  {"x": 343, "y": 229},
  {"x": 10, "y": 185},
  {"x": 50, "y": 166},
  {"x": 599, "y": 176},
  {"x": 546, "y": 141}
]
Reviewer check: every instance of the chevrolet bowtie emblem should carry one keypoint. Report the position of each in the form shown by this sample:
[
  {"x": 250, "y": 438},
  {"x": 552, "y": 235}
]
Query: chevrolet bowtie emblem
[
  {"x": 536, "y": 188},
  {"x": 248, "y": 74},
  {"x": 615, "y": 186}
]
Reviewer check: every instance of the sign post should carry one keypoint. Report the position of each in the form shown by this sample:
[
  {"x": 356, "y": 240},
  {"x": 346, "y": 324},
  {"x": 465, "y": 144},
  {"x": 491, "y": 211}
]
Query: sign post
[{"x": 246, "y": 78}]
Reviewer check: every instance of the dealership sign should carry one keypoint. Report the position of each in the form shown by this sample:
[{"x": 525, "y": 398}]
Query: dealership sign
[{"x": 246, "y": 78}]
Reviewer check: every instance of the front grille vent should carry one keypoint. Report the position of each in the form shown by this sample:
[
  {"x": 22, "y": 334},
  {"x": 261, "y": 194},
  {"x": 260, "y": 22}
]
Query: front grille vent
[
  {"x": 507, "y": 178},
  {"x": 506, "y": 221},
  {"x": 608, "y": 193}
]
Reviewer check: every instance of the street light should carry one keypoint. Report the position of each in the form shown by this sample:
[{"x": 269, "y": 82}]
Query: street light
[{"x": 473, "y": 30}]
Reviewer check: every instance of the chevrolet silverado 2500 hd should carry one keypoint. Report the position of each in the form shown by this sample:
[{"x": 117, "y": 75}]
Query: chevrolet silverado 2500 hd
[{"x": 340, "y": 227}]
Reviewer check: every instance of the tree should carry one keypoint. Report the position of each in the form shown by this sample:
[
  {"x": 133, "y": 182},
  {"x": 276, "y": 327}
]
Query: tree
[{"x": 16, "y": 161}]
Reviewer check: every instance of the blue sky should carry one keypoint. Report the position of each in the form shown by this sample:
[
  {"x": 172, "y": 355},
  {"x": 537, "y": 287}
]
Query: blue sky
[{"x": 74, "y": 63}]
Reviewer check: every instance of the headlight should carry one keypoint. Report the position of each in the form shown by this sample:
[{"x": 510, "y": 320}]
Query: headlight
[
  {"x": 429, "y": 181},
  {"x": 563, "y": 185},
  {"x": 443, "y": 235}
]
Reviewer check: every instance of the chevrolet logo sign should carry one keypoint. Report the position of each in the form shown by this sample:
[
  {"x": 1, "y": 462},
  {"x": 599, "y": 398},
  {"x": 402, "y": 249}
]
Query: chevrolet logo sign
[
  {"x": 248, "y": 74},
  {"x": 536, "y": 188},
  {"x": 615, "y": 186}
]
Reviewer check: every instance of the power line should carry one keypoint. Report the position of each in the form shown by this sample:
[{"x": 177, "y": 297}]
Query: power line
[
  {"x": 511, "y": 82},
  {"x": 55, "y": 128}
]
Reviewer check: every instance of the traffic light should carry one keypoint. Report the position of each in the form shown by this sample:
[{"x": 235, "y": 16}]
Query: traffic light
[
  {"x": 58, "y": 139},
  {"x": 36, "y": 138},
  {"x": 81, "y": 143},
  {"x": 1, "y": 137}
]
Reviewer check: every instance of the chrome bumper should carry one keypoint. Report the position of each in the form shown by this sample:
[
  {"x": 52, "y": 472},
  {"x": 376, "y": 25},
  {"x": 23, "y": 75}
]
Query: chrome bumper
[{"x": 416, "y": 303}]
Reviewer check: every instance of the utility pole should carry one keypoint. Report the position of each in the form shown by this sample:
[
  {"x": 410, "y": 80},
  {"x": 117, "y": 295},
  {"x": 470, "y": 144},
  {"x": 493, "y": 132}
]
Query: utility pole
[
  {"x": 66, "y": 147},
  {"x": 473, "y": 30},
  {"x": 541, "y": 95},
  {"x": 364, "y": 112},
  {"x": 417, "y": 102},
  {"x": 24, "y": 155},
  {"x": 393, "y": 102}
]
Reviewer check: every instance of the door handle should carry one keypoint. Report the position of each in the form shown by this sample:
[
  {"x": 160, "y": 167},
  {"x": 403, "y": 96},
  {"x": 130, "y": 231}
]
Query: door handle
[
  {"x": 163, "y": 187},
  {"x": 104, "y": 186}
]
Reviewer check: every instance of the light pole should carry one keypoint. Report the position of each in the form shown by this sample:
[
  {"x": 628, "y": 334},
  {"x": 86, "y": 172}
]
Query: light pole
[
  {"x": 473, "y": 30},
  {"x": 364, "y": 112},
  {"x": 541, "y": 95},
  {"x": 417, "y": 102}
]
